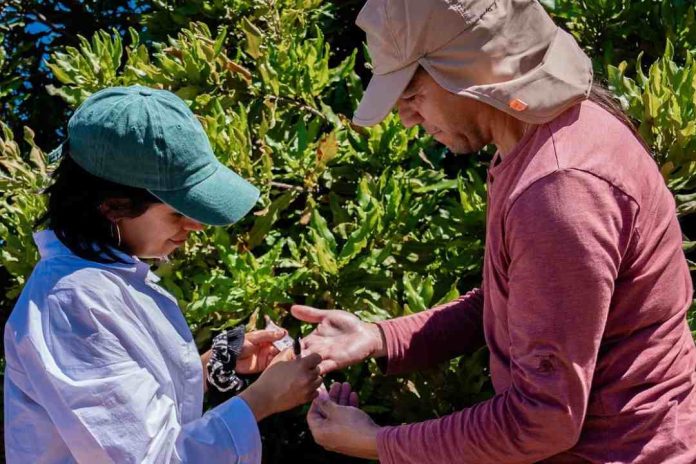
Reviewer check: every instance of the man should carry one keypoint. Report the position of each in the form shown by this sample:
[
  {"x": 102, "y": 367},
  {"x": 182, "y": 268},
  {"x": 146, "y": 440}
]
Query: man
[{"x": 585, "y": 285}]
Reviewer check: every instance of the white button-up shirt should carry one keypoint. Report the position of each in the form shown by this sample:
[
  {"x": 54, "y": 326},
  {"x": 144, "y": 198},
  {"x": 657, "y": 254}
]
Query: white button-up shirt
[{"x": 102, "y": 367}]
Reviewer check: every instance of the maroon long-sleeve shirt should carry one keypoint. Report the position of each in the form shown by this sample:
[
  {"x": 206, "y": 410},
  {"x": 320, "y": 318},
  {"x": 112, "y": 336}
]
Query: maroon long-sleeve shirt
[{"x": 583, "y": 307}]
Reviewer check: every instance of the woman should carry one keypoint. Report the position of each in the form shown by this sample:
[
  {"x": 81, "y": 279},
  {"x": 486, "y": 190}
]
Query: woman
[{"x": 101, "y": 365}]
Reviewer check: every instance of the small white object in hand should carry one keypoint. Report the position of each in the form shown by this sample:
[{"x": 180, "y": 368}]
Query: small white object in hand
[{"x": 285, "y": 342}]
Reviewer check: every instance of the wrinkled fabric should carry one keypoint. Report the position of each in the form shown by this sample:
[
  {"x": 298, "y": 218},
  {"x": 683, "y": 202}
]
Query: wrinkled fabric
[
  {"x": 583, "y": 307},
  {"x": 102, "y": 368}
]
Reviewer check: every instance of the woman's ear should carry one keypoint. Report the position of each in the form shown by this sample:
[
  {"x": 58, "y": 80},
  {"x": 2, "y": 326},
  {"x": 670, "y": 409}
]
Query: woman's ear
[{"x": 115, "y": 209}]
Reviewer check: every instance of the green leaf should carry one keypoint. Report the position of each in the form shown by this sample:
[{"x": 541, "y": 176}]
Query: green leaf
[
  {"x": 254, "y": 38},
  {"x": 325, "y": 256},
  {"x": 59, "y": 73},
  {"x": 321, "y": 228},
  {"x": 263, "y": 224},
  {"x": 190, "y": 92},
  {"x": 220, "y": 41},
  {"x": 359, "y": 238}
]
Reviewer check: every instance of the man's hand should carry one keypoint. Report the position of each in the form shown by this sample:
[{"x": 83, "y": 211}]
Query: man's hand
[
  {"x": 338, "y": 425},
  {"x": 340, "y": 338}
]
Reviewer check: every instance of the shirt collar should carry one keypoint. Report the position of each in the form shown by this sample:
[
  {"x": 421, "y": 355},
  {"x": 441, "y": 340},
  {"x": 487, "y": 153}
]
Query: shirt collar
[{"x": 50, "y": 246}]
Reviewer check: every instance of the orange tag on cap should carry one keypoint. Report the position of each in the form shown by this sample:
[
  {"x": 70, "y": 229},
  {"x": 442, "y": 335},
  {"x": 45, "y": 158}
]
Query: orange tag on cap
[{"x": 517, "y": 105}]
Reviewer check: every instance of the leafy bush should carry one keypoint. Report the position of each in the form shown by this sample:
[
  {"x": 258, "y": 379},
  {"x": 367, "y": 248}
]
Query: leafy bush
[
  {"x": 20, "y": 181},
  {"x": 612, "y": 30}
]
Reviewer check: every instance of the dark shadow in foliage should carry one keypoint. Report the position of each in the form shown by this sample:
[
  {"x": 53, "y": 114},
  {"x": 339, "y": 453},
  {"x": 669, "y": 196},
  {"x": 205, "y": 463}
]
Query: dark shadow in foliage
[{"x": 33, "y": 29}]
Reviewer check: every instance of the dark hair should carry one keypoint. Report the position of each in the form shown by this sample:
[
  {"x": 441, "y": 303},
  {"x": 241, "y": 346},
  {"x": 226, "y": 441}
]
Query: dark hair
[
  {"x": 605, "y": 98},
  {"x": 74, "y": 201}
]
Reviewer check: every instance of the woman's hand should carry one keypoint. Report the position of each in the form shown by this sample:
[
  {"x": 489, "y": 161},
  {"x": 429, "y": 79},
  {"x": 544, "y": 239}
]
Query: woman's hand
[
  {"x": 286, "y": 383},
  {"x": 258, "y": 351},
  {"x": 338, "y": 425}
]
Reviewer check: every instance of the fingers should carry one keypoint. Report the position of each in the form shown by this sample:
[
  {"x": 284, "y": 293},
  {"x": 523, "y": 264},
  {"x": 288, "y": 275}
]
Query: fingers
[
  {"x": 270, "y": 351},
  {"x": 314, "y": 416},
  {"x": 335, "y": 391},
  {"x": 311, "y": 361},
  {"x": 269, "y": 356},
  {"x": 264, "y": 336},
  {"x": 308, "y": 314},
  {"x": 327, "y": 365},
  {"x": 344, "y": 396},
  {"x": 326, "y": 406},
  {"x": 318, "y": 382},
  {"x": 341, "y": 393},
  {"x": 285, "y": 355},
  {"x": 268, "y": 320}
]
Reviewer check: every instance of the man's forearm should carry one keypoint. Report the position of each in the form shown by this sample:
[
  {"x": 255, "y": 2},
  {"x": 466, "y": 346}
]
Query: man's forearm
[{"x": 429, "y": 337}]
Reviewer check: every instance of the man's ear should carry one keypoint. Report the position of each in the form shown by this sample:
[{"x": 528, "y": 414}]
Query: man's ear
[{"x": 115, "y": 209}]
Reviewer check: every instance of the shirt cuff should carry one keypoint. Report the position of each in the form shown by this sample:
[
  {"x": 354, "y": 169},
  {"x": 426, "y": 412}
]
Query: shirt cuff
[
  {"x": 242, "y": 427},
  {"x": 384, "y": 453},
  {"x": 390, "y": 363}
]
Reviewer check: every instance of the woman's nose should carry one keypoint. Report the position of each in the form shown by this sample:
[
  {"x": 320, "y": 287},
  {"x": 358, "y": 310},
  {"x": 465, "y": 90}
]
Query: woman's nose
[{"x": 192, "y": 226}]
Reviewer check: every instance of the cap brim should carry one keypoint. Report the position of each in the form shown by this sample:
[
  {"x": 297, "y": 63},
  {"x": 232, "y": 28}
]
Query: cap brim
[
  {"x": 220, "y": 199},
  {"x": 381, "y": 95}
]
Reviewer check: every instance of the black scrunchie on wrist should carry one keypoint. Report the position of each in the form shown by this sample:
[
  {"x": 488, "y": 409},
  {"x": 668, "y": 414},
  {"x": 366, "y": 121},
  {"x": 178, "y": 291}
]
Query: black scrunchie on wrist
[{"x": 223, "y": 359}]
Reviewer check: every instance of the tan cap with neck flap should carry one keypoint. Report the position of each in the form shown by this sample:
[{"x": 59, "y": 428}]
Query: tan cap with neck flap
[{"x": 506, "y": 53}]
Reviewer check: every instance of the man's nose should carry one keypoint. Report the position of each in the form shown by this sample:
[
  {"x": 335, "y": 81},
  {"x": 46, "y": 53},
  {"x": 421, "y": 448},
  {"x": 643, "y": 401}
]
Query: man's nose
[{"x": 408, "y": 115}]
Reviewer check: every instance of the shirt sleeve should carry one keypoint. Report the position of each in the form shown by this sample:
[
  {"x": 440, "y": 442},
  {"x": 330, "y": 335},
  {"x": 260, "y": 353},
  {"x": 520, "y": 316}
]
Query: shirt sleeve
[
  {"x": 565, "y": 238},
  {"x": 89, "y": 365},
  {"x": 438, "y": 334}
]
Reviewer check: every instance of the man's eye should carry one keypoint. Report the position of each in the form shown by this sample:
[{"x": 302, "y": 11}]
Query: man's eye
[{"x": 407, "y": 101}]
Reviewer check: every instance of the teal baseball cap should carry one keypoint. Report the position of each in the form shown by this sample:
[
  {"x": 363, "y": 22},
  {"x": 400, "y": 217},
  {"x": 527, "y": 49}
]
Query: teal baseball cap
[{"x": 150, "y": 139}]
